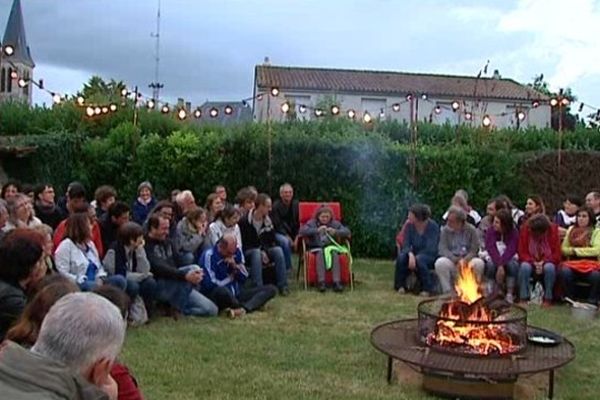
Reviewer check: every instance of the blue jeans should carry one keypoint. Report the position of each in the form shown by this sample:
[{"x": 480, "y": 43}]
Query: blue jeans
[
  {"x": 549, "y": 277},
  {"x": 286, "y": 246},
  {"x": 254, "y": 262},
  {"x": 511, "y": 269},
  {"x": 593, "y": 278},
  {"x": 118, "y": 281},
  {"x": 146, "y": 289},
  {"x": 183, "y": 296},
  {"x": 188, "y": 258},
  {"x": 423, "y": 271}
]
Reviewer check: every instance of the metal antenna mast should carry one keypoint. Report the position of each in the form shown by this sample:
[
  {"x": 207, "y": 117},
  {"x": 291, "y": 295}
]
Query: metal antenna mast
[{"x": 156, "y": 85}]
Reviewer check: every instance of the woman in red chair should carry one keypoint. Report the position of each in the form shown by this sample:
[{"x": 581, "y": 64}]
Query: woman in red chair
[{"x": 322, "y": 234}]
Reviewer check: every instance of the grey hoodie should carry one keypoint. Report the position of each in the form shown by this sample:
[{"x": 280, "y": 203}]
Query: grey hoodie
[{"x": 28, "y": 376}]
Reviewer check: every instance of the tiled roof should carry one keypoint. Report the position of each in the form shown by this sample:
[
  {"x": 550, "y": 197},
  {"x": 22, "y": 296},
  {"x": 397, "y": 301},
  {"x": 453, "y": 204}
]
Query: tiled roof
[
  {"x": 14, "y": 35},
  {"x": 387, "y": 82}
]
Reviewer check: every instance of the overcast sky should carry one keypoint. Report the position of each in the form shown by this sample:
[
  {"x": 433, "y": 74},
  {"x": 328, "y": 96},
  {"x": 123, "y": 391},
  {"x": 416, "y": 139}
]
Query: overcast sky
[{"x": 209, "y": 48}]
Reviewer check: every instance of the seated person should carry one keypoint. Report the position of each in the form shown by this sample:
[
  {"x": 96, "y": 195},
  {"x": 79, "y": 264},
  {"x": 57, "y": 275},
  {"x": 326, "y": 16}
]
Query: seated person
[
  {"x": 21, "y": 268},
  {"x": 539, "y": 254},
  {"x": 581, "y": 248},
  {"x": 185, "y": 202},
  {"x": 533, "y": 206},
  {"x": 501, "y": 242},
  {"x": 259, "y": 244},
  {"x": 285, "y": 216},
  {"x": 592, "y": 200},
  {"x": 77, "y": 344},
  {"x": 84, "y": 207},
  {"x": 486, "y": 222},
  {"x": 45, "y": 206},
  {"x": 461, "y": 199},
  {"x": 144, "y": 204},
  {"x": 116, "y": 215},
  {"x": 127, "y": 257},
  {"x": 567, "y": 216},
  {"x": 459, "y": 242},
  {"x": 191, "y": 235},
  {"x": 176, "y": 285},
  {"x": 515, "y": 212},
  {"x": 226, "y": 221},
  {"x": 104, "y": 196},
  {"x": 245, "y": 199},
  {"x": 48, "y": 256},
  {"x": 214, "y": 204},
  {"x": 322, "y": 233},
  {"x": 419, "y": 249},
  {"x": 20, "y": 213},
  {"x": 224, "y": 277},
  {"x": 77, "y": 258}
]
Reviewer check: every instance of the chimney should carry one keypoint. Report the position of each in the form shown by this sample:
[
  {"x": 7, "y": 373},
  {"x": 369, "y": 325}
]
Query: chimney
[
  {"x": 267, "y": 61},
  {"x": 496, "y": 74},
  {"x": 180, "y": 102},
  {"x": 188, "y": 106}
]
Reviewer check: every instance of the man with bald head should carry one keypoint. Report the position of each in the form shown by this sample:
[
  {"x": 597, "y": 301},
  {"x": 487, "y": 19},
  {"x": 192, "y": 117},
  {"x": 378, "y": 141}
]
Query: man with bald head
[
  {"x": 224, "y": 277},
  {"x": 592, "y": 200}
]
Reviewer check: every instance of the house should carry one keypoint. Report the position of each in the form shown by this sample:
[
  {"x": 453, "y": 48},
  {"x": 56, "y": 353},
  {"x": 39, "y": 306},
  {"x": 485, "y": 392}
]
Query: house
[
  {"x": 19, "y": 65},
  {"x": 369, "y": 95}
]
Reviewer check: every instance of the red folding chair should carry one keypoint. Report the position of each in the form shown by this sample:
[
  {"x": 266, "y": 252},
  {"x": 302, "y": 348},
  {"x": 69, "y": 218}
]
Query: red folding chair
[{"x": 306, "y": 259}]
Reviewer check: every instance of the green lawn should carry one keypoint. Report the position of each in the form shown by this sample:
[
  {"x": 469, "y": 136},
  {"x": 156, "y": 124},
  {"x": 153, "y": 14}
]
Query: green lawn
[{"x": 312, "y": 346}]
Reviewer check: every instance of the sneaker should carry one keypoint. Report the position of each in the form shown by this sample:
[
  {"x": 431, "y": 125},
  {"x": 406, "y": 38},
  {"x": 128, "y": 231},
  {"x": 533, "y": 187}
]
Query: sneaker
[
  {"x": 236, "y": 313},
  {"x": 401, "y": 291},
  {"x": 424, "y": 293},
  {"x": 338, "y": 288},
  {"x": 510, "y": 298},
  {"x": 322, "y": 287}
]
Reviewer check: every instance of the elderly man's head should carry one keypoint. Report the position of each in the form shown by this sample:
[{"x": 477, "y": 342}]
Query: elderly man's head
[
  {"x": 227, "y": 245},
  {"x": 456, "y": 218},
  {"x": 84, "y": 332}
]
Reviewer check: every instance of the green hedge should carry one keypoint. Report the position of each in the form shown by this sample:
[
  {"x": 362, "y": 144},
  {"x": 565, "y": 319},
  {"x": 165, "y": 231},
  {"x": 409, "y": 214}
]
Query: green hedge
[{"x": 367, "y": 169}]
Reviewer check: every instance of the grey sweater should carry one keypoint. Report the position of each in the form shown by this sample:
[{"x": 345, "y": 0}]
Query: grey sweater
[{"x": 456, "y": 245}]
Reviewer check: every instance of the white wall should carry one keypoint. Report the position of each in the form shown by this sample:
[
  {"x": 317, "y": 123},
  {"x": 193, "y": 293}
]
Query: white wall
[{"x": 535, "y": 117}]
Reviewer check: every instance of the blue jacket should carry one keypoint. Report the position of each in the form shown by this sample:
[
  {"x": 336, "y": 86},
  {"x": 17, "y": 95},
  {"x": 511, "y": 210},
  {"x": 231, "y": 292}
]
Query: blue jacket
[
  {"x": 140, "y": 211},
  {"x": 217, "y": 272}
]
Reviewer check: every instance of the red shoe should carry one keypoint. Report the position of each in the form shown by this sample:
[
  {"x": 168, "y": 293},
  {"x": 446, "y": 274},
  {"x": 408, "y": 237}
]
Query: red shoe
[{"x": 547, "y": 303}]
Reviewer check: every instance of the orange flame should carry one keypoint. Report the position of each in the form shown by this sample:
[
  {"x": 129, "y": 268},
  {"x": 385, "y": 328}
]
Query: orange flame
[{"x": 468, "y": 325}]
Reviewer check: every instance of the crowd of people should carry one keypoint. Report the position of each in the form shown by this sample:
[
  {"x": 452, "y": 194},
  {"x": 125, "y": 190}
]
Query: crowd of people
[
  {"x": 74, "y": 274},
  {"x": 525, "y": 256}
]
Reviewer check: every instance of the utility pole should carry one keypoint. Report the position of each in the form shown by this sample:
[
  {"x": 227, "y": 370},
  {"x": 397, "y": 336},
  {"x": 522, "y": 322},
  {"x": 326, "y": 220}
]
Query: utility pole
[{"x": 156, "y": 85}]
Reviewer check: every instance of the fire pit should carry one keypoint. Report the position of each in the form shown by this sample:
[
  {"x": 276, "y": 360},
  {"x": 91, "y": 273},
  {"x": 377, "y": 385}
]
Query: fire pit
[{"x": 470, "y": 346}]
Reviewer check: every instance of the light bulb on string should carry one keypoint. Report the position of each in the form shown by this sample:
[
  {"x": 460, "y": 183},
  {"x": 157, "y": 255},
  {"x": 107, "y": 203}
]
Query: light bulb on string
[
  {"x": 14, "y": 75},
  {"x": 9, "y": 50},
  {"x": 335, "y": 110},
  {"x": 124, "y": 92},
  {"x": 367, "y": 117},
  {"x": 381, "y": 114},
  {"x": 351, "y": 114},
  {"x": 80, "y": 100},
  {"x": 197, "y": 113},
  {"x": 455, "y": 105},
  {"x": 468, "y": 116},
  {"x": 486, "y": 121},
  {"x": 553, "y": 102},
  {"x": 113, "y": 107},
  {"x": 259, "y": 97},
  {"x": 213, "y": 112},
  {"x": 89, "y": 111},
  {"x": 285, "y": 107},
  {"x": 409, "y": 97},
  {"x": 437, "y": 110},
  {"x": 302, "y": 109},
  {"x": 56, "y": 98},
  {"x": 22, "y": 83},
  {"x": 104, "y": 110},
  {"x": 275, "y": 91},
  {"x": 565, "y": 101},
  {"x": 396, "y": 107},
  {"x": 165, "y": 109},
  {"x": 424, "y": 96},
  {"x": 521, "y": 116},
  {"x": 228, "y": 110},
  {"x": 535, "y": 104},
  {"x": 97, "y": 111},
  {"x": 150, "y": 104},
  {"x": 182, "y": 114},
  {"x": 318, "y": 112}
]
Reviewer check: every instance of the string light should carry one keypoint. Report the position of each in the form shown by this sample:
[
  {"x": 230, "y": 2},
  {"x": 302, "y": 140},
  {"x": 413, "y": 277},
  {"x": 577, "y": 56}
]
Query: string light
[
  {"x": 335, "y": 110},
  {"x": 165, "y": 109},
  {"x": 351, "y": 114},
  {"x": 56, "y": 98},
  {"x": 396, "y": 107},
  {"x": 124, "y": 92},
  {"x": 197, "y": 113},
  {"x": 274, "y": 92},
  {"x": 22, "y": 83},
  {"x": 455, "y": 105},
  {"x": 437, "y": 109},
  {"x": 553, "y": 102},
  {"x": 89, "y": 111},
  {"x": 535, "y": 104},
  {"x": 182, "y": 114},
  {"x": 409, "y": 97},
  {"x": 80, "y": 100},
  {"x": 14, "y": 75},
  {"x": 9, "y": 50},
  {"x": 367, "y": 117},
  {"x": 150, "y": 104},
  {"x": 486, "y": 121},
  {"x": 113, "y": 107},
  {"x": 228, "y": 110},
  {"x": 259, "y": 97},
  {"x": 104, "y": 110},
  {"x": 318, "y": 112},
  {"x": 565, "y": 101},
  {"x": 424, "y": 96},
  {"x": 285, "y": 107},
  {"x": 302, "y": 108},
  {"x": 213, "y": 112},
  {"x": 521, "y": 116},
  {"x": 381, "y": 113},
  {"x": 97, "y": 110},
  {"x": 468, "y": 116}
]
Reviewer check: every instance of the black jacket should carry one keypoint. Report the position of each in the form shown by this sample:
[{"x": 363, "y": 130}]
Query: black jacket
[
  {"x": 251, "y": 239},
  {"x": 50, "y": 215},
  {"x": 12, "y": 303},
  {"x": 286, "y": 219},
  {"x": 164, "y": 259},
  {"x": 108, "y": 231}
]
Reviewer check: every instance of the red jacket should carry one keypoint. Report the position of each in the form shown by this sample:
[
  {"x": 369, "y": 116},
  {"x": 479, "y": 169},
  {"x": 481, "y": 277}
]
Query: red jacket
[
  {"x": 59, "y": 235},
  {"x": 553, "y": 240},
  {"x": 128, "y": 388}
]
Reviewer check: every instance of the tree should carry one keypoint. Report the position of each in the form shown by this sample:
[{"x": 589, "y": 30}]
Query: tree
[
  {"x": 97, "y": 90},
  {"x": 569, "y": 120}
]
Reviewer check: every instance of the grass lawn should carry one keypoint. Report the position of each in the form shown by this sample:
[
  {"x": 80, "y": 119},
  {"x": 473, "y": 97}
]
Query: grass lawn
[{"x": 313, "y": 346}]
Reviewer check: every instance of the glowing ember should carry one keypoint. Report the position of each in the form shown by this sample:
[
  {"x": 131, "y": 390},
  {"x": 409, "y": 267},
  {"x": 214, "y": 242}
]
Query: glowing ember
[{"x": 468, "y": 322}]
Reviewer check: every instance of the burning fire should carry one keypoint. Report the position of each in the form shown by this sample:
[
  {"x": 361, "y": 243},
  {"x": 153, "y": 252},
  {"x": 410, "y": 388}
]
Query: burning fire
[{"x": 468, "y": 322}]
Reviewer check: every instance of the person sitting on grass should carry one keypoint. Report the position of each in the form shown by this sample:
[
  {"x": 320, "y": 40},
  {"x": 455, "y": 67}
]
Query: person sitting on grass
[
  {"x": 224, "y": 278},
  {"x": 533, "y": 206},
  {"x": 104, "y": 196},
  {"x": 20, "y": 213},
  {"x": 539, "y": 254},
  {"x": 110, "y": 222},
  {"x": 226, "y": 222},
  {"x": 592, "y": 200},
  {"x": 127, "y": 257},
  {"x": 323, "y": 233},
  {"x": 419, "y": 250},
  {"x": 581, "y": 248},
  {"x": 143, "y": 204},
  {"x": 77, "y": 258},
  {"x": 191, "y": 234},
  {"x": 214, "y": 204},
  {"x": 459, "y": 242},
  {"x": 77, "y": 345},
  {"x": 567, "y": 216},
  {"x": 501, "y": 243},
  {"x": 176, "y": 285},
  {"x": 45, "y": 206},
  {"x": 245, "y": 199},
  {"x": 185, "y": 202}
]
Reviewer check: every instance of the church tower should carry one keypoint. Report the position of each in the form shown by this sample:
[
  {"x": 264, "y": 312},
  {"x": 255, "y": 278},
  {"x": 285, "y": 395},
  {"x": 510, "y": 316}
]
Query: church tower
[{"x": 19, "y": 63}]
